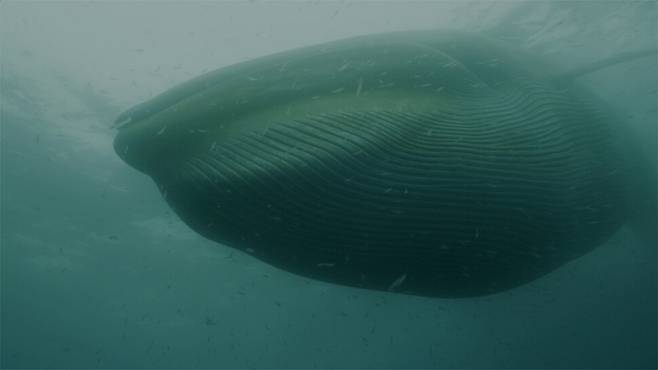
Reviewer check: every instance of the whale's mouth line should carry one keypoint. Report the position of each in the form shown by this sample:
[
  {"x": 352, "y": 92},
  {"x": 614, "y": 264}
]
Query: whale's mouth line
[
  {"x": 266, "y": 110},
  {"x": 351, "y": 93}
]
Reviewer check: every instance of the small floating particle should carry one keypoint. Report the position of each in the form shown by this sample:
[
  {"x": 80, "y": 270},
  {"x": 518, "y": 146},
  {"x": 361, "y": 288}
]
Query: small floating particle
[{"x": 395, "y": 284}]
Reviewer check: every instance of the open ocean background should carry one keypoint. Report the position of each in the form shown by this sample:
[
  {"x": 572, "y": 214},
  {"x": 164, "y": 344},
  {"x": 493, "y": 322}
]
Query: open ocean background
[{"x": 97, "y": 272}]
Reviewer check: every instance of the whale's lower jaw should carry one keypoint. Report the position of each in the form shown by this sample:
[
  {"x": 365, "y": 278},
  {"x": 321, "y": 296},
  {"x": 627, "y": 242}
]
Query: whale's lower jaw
[{"x": 442, "y": 206}]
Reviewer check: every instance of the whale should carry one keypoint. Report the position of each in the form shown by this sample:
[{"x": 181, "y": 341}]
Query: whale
[{"x": 431, "y": 163}]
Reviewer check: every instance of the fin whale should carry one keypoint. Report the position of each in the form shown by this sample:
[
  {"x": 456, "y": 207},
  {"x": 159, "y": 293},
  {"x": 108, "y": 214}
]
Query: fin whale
[{"x": 434, "y": 163}]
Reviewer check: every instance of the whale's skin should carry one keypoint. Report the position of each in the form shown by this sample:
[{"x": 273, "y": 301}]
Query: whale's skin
[{"x": 433, "y": 163}]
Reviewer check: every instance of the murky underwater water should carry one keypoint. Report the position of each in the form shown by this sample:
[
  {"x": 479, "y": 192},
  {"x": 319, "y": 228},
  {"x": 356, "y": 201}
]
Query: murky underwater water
[{"x": 97, "y": 272}]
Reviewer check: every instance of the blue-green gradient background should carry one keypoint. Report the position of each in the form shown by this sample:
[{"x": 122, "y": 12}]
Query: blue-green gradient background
[{"x": 97, "y": 272}]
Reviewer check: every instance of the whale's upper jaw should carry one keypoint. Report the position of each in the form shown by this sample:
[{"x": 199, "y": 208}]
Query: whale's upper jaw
[{"x": 373, "y": 75}]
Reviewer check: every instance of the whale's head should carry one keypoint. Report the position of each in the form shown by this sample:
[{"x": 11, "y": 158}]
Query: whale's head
[{"x": 432, "y": 163}]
